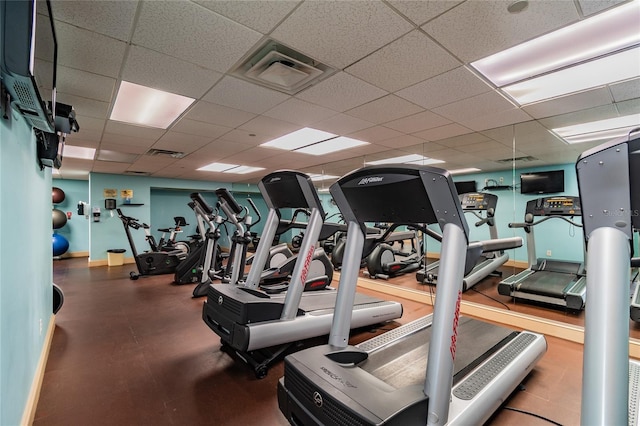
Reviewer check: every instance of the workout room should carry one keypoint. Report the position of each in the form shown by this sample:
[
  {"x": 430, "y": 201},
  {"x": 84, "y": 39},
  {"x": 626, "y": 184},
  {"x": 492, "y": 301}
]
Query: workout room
[{"x": 317, "y": 212}]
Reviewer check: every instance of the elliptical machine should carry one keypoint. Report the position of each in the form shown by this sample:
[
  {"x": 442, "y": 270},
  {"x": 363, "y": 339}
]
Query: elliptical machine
[
  {"x": 149, "y": 263},
  {"x": 387, "y": 262}
]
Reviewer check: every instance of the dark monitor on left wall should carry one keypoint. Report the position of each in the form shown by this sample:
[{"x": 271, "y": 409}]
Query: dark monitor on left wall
[{"x": 28, "y": 60}]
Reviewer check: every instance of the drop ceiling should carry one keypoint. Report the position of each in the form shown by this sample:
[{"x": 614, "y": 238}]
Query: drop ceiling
[{"x": 401, "y": 81}]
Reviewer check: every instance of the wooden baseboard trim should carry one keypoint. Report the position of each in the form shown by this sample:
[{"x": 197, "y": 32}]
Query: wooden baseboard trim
[
  {"x": 29, "y": 413},
  {"x": 557, "y": 329}
]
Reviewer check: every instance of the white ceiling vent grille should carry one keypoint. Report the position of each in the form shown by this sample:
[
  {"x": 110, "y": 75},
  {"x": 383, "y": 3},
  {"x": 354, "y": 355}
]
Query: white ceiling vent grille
[
  {"x": 281, "y": 68},
  {"x": 166, "y": 152},
  {"x": 137, "y": 173},
  {"x": 526, "y": 159}
]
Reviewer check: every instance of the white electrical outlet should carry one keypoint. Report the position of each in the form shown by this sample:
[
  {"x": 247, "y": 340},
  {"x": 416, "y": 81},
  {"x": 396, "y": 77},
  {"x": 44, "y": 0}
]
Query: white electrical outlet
[
  {"x": 41, "y": 326},
  {"x": 501, "y": 180},
  {"x": 549, "y": 253}
]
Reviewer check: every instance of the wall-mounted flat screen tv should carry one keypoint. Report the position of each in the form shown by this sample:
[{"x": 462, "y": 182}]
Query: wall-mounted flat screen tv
[
  {"x": 28, "y": 59},
  {"x": 466, "y": 186},
  {"x": 550, "y": 182}
]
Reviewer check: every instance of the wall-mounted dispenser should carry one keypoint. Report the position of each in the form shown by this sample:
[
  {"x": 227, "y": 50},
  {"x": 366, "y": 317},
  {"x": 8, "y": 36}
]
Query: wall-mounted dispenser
[{"x": 110, "y": 203}]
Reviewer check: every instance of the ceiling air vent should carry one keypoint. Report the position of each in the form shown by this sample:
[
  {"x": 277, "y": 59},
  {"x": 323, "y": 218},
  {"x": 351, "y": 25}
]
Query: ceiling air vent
[
  {"x": 526, "y": 159},
  {"x": 137, "y": 173},
  {"x": 174, "y": 154},
  {"x": 278, "y": 67}
]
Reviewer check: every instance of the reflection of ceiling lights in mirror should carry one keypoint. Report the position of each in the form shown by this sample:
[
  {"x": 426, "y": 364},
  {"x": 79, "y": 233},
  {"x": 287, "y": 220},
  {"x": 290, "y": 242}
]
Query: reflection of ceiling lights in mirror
[
  {"x": 591, "y": 39},
  {"x": 229, "y": 168},
  {"x": 461, "y": 171},
  {"x": 407, "y": 159},
  {"x": 79, "y": 152},
  {"x": 313, "y": 142},
  {"x": 598, "y": 130},
  {"x": 136, "y": 104},
  {"x": 319, "y": 177}
]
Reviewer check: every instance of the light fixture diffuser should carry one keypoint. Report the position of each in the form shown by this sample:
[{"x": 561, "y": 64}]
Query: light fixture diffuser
[
  {"x": 141, "y": 105},
  {"x": 79, "y": 152},
  {"x": 465, "y": 170},
  {"x": 298, "y": 139},
  {"x": 332, "y": 145},
  {"x": 406, "y": 159},
  {"x": 598, "y": 130},
  {"x": 217, "y": 167},
  {"x": 316, "y": 177},
  {"x": 243, "y": 170}
]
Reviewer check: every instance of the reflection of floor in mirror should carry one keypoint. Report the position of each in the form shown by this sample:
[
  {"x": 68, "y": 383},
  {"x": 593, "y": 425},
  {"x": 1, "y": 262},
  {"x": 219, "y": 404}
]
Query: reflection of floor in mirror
[{"x": 486, "y": 293}]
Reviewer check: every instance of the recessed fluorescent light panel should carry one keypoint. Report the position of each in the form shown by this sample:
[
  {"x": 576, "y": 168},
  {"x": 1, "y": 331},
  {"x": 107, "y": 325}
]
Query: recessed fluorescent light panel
[
  {"x": 598, "y": 130},
  {"x": 590, "y": 40},
  {"x": 407, "y": 159},
  {"x": 460, "y": 171},
  {"x": 229, "y": 168},
  {"x": 316, "y": 177},
  {"x": 79, "y": 152},
  {"x": 136, "y": 104},
  {"x": 313, "y": 142}
]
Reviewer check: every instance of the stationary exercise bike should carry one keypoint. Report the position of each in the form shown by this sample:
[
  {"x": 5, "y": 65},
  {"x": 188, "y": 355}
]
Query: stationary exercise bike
[{"x": 153, "y": 262}]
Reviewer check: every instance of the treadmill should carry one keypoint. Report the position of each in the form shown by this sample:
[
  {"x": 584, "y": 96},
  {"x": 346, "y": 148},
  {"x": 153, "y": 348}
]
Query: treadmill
[
  {"x": 609, "y": 184},
  {"x": 259, "y": 327},
  {"x": 487, "y": 264},
  {"x": 471, "y": 366},
  {"x": 558, "y": 283}
]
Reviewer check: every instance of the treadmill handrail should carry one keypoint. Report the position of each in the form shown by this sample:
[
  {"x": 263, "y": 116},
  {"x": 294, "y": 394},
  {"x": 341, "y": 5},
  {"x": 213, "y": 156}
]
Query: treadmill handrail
[
  {"x": 498, "y": 244},
  {"x": 525, "y": 225}
]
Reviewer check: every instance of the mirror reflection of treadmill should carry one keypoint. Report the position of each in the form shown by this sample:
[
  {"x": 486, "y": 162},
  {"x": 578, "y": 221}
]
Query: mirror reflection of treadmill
[
  {"x": 382, "y": 380},
  {"x": 556, "y": 283},
  {"x": 483, "y": 207}
]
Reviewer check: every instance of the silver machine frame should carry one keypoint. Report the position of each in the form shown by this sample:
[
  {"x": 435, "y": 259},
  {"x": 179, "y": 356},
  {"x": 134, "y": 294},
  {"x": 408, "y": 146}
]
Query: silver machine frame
[
  {"x": 608, "y": 179},
  {"x": 333, "y": 369}
]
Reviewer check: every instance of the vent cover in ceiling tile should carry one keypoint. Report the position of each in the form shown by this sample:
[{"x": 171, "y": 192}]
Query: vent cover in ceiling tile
[
  {"x": 278, "y": 67},
  {"x": 137, "y": 173},
  {"x": 166, "y": 152},
  {"x": 526, "y": 159}
]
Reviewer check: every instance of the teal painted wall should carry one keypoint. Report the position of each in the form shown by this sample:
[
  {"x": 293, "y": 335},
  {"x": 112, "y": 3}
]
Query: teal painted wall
[
  {"x": 25, "y": 264},
  {"x": 77, "y": 228},
  {"x": 564, "y": 241},
  {"x": 109, "y": 233}
]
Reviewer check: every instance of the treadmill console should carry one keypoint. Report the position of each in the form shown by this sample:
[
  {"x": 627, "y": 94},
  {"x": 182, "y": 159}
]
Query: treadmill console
[
  {"x": 555, "y": 206},
  {"x": 478, "y": 201}
]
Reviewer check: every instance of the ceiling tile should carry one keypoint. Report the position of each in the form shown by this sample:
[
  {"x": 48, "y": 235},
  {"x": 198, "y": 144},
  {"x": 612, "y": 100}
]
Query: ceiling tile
[
  {"x": 251, "y": 156},
  {"x": 385, "y": 109},
  {"x": 583, "y": 116},
  {"x": 570, "y": 103},
  {"x": 219, "y": 149},
  {"x": 191, "y": 32},
  {"x": 341, "y": 92},
  {"x": 246, "y": 137},
  {"x": 110, "y": 18},
  {"x": 88, "y": 107},
  {"x": 342, "y": 124},
  {"x": 120, "y": 144},
  {"x": 494, "y": 28},
  {"x": 120, "y": 128},
  {"x": 181, "y": 142},
  {"x": 109, "y": 167},
  {"x": 482, "y": 146},
  {"x": 420, "y": 11},
  {"x": 262, "y": 125},
  {"x": 85, "y": 84},
  {"x": 218, "y": 114},
  {"x": 76, "y": 140},
  {"x": 245, "y": 96},
  {"x": 496, "y": 119},
  {"x": 442, "y": 132},
  {"x": 115, "y": 156},
  {"x": 261, "y": 16},
  {"x": 199, "y": 128},
  {"x": 444, "y": 89},
  {"x": 463, "y": 140},
  {"x": 417, "y": 122},
  {"x": 375, "y": 134},
  {"x": 632, "y": 106},
  {"x": 472, "y": 108},
  {"x": 626, "y": 90},
  {"x": 299, "y": 112},
  {"x": 88, "y": 51},
  {"x": 590, "y": 7},
  {"x": 406, "y": 61},
  {"x": 90, "y": 123},
  {"x": 400, "y": 141},
  {"x": 163, "y": 72},
  {"x": 340, "y": 27}
]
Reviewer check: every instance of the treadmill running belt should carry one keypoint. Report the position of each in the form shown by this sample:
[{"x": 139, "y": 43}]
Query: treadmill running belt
[
  {"x": 404, "y": 362},
  {"x": 546, "y": 283}
]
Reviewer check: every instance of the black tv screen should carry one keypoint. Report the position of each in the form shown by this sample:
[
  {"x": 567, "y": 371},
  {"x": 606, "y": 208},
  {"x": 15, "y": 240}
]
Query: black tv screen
[
  {"x": 466, "y": 186},
  {"x": 542, "y": 182}
]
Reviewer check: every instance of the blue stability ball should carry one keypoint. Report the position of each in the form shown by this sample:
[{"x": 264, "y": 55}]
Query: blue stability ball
[
  {"x": 60, "y": 245},
  {"x": 59, "y": 219}
]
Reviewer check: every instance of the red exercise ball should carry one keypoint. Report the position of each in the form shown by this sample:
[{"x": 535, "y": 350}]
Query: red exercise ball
[{"x": 57, "y": 195}]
